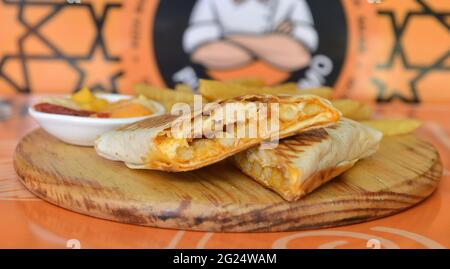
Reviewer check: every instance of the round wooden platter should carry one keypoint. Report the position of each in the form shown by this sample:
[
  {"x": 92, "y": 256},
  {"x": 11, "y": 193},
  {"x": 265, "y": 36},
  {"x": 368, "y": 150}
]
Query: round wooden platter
[{"x": 402, "y": 173}]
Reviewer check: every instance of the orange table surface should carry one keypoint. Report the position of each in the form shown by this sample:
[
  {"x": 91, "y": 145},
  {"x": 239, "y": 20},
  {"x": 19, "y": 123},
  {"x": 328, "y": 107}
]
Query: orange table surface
[{"x": 28, "y": 222}]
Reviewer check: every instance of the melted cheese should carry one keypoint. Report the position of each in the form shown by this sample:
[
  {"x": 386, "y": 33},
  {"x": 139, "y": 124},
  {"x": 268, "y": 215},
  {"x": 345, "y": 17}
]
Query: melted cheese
[{"x": 169, "y": 146}]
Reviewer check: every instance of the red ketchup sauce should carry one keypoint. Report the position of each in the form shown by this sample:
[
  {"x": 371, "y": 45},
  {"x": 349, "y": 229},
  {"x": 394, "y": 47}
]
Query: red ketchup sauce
[{"x": 62, "y": 110}]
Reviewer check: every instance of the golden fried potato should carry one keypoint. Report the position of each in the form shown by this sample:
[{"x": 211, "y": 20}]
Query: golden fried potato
[
  {"x": 216, "y": 90},
  {"x": 85, "y": 99},
  {"x": 292, "y": 89},
  {"x": 248, "y": 82},
  {"x": 284, "y": 88},
  {"x": 324, "y": 92},
  {"x": 353, "y": 109},
  {"x": 391, "y": 127},
  {"x": 165, "y": 96},
  {"x": 181, "y": 87}
]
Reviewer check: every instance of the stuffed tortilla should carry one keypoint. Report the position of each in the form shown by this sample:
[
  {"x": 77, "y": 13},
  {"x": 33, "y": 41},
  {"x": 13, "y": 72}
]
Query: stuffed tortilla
[
  {"x": 153, "y": 143},
  {"x": 303, "y": 162}
]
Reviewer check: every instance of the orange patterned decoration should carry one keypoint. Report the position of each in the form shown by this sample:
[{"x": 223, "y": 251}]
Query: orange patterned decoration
[{"x": 382, "y": 50}]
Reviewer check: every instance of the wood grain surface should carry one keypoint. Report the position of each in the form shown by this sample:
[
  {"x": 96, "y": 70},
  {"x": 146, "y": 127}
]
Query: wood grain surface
[{"x": 402, "y": 173}]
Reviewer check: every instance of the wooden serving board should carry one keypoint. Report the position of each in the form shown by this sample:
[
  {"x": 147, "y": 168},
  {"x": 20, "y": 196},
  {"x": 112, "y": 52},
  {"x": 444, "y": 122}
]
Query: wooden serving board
[{"x": 220, "y": 198}]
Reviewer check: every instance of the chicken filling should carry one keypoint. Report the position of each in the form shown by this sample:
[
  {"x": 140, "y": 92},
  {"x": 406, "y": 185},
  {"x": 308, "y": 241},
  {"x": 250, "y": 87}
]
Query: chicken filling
[{"x": 197, "y": 149}]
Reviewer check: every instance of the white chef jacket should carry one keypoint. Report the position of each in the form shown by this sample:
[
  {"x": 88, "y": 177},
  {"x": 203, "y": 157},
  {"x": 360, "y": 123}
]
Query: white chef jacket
[{"x": 212, "y": 19}]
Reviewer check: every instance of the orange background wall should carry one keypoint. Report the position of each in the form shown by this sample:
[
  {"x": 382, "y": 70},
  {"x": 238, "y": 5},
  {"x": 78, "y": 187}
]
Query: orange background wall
[{"x": 52, "y": 46}]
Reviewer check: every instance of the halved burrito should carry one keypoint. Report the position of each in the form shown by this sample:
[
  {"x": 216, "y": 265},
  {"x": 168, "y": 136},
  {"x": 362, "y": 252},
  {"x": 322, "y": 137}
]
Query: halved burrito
[
  {"x": 303, "y": 162},
  {"x": 160, "y": 143}
]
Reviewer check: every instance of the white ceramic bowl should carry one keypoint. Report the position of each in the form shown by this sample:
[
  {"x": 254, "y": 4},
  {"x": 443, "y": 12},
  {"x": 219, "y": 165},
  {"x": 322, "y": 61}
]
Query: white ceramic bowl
[{"x": 83, "y": 131}]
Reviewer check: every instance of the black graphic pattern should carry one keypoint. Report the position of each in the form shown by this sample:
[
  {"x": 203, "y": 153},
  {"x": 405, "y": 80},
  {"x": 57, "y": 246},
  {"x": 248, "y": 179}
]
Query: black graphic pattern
[
  {"x": 385, "y": 94},
  {"x": 33, "y": 30}
]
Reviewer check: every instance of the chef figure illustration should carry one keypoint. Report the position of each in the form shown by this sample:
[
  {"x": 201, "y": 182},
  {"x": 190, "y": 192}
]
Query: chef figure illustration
[{"x": 228, "y": 34}]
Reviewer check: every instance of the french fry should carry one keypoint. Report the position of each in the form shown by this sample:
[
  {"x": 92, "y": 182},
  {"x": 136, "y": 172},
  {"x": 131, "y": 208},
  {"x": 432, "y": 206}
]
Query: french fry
[
  {"x": 215, "y": 90},
  {"x": 181, "y": 87},
  {"x": 165, "y": 96},
  {"x": 353, "y": 109},
  {"x": 248, "y": 82},
  {"x": 324, "y": 92},
  {"x": 288, "y": 87},
  {"x": 391, "y": 127},
  {"x": 292, "y": 89}
]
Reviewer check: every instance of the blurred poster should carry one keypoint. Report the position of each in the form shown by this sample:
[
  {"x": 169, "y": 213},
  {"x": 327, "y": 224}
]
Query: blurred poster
[{"x": 383, "y": 50}]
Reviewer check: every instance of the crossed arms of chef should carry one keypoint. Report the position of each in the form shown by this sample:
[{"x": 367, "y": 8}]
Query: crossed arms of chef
[{"x": 287, "y": 44}]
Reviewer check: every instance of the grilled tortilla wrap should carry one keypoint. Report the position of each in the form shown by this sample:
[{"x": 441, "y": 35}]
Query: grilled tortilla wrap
[
  {"x": 153, "y": 143},
  {"x": 303, "y": 162}
]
